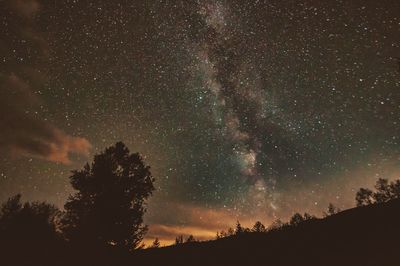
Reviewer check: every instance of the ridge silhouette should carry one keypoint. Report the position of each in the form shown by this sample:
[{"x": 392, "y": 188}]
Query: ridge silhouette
[
  {"x": 367, "y": 235},
  {"x": 102, "y": 225}
]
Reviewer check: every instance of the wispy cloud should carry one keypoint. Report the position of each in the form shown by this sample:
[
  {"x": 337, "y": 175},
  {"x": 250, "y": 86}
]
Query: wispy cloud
[{"x": 23, "y": 131}]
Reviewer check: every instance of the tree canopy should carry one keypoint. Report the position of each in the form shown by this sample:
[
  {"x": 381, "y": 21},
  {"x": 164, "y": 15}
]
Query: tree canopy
[
  {"x": 109, "y": 204},
  {"x": 27, "y": 230},
  {"x": 384, "y": 191}
]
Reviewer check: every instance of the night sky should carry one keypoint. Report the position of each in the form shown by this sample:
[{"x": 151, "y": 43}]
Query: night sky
[{"x": 245, "y": 110}]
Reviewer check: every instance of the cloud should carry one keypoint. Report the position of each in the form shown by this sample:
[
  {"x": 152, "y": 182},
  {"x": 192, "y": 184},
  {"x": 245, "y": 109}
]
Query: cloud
[
  {"x": 25, "y": 134},
  {"x": 23, "y": 131}
]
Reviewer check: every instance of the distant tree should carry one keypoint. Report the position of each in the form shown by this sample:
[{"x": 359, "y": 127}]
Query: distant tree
[
  {"x": 223, "y": 233},
  {"x": 395, "y": 189},
  {"x": 383, "y": 191},
  {"x": 156, "y": 243},
  {"x": 239, "y": 229},
  {"x": 276, "y": 225},
  {"x": 190, "y": 239},
  {"x": 109, "y": 204},
  {"x": 308, "y": 216},
  {"x": 11, "y": 207},
  {"x": 179, "y": 240},
  {"x": 364, "y": 197},
  {"x": 297, "y": 218},
  {"x": 331, "y": 210},
  {"x": 258, "y": 227}
]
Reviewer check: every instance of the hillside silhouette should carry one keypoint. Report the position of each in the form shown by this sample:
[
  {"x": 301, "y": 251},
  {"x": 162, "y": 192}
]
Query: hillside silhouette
[
  {"x": 102, "y": 225},
  {"x": 367, "y": 235}
]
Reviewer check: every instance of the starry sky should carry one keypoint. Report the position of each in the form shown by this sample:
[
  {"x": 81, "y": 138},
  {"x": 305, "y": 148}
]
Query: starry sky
[{"x": 245, "y": 110}]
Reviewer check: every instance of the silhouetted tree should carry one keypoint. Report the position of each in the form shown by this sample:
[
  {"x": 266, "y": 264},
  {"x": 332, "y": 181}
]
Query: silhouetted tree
[
  {"x": 239, "y": 229},
  {"x": 308, "y": 216},
  {"x": 297, "y": 218},
  {"x": 223, "y": 233},
  {"x": 28, "y": 228},
  {"x": 11, "y": 207},
  {"x": 108, "y": 206},
  {"x": 179, "y": 240},
  {"x": 395, "y": 189},
  {"x": 190, "y": 239},
  {"x": 29, "y": 219},
  {"x": 364, "y": 197},
  {"x": 276, "y": 225},
  {"x": 383, "y": 191},
  {"x": 156, "y": 243},
  {"x": 331, "y": 210},
  {"x": 258, "y": 227}
]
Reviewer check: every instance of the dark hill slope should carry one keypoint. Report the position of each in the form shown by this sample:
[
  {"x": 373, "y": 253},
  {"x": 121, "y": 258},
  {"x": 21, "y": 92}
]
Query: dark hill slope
[{"x": 361, "y": 236}]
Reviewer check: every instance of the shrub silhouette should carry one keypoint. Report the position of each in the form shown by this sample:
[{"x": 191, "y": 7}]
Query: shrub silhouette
[{"x": 109, "y": 204}]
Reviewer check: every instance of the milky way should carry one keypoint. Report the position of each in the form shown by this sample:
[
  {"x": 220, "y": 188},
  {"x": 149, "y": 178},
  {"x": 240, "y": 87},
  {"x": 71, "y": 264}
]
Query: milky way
[{"x": 244, "y": 109}]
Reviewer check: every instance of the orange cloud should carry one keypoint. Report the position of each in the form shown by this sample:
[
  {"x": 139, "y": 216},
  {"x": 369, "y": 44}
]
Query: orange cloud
[
  {"x": 25, "y": 134},
  {"x": 55, "y": 149},
  {"x": 23, "y": 131}
]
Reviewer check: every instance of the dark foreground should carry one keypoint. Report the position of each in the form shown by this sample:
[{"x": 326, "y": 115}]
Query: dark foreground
[{"x": 361, "y": 236}]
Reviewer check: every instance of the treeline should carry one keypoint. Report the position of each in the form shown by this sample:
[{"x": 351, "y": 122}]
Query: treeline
[
  {"x": 385, "y": 190},
  {"x": 258, "y": 227},
  {"x": 278, "y": 224},
  {"x": 106, "y": 210},
  {"x": 109, "y": 203}
]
